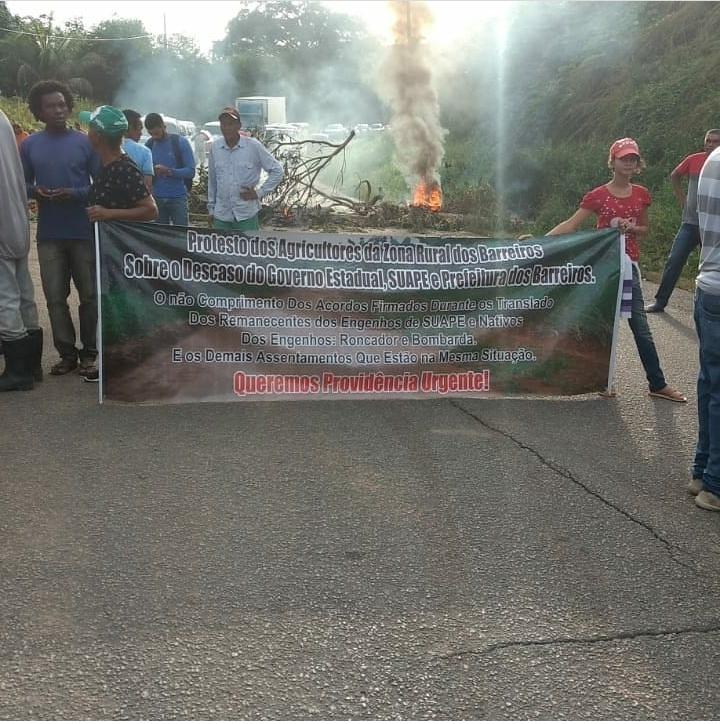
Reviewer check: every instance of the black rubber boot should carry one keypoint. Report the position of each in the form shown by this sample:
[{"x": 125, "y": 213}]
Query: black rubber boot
[
  {"x": 36, "y": 336},
  {"x": 18, "y": 365}
]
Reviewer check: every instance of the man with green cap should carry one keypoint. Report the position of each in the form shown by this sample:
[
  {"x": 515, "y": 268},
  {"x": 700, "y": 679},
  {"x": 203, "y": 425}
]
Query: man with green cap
[{"x": 118, "y": 192}]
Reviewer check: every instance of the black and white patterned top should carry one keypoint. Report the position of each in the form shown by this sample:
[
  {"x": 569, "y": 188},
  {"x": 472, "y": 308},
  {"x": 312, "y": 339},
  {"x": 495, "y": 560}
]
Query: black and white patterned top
[{"x": 119, "y": 185}]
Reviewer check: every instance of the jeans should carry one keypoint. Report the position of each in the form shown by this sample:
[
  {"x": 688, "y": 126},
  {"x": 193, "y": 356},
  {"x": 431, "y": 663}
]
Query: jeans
[
  {"x": 687, "y": 238},
  {"x": 172, "y": 211},
  {"x": 643, "y": 337},
  {"x": 707, "y": 453},
  {"x": 18, "y": 311},
  {"x": 60, "y": 261}
]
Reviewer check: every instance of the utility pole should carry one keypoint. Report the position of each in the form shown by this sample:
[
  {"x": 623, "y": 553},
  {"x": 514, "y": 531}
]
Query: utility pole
[{"x": 165, "y": 31}]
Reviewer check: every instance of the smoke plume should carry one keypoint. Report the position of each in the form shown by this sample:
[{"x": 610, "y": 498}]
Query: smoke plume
[{"x": 406, "y": 85}]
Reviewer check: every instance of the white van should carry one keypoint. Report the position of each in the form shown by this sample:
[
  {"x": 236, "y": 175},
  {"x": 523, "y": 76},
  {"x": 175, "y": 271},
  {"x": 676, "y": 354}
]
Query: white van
[{"x": 186, "y": 128}]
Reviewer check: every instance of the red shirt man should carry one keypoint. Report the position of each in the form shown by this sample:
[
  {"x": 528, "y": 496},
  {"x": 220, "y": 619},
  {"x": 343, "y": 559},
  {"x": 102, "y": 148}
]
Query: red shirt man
[{"x": 688, "y": 235}]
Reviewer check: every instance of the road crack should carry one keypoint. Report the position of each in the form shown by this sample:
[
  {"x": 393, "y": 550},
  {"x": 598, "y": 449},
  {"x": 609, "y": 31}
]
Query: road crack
[
  {"x": 582, "y": 640},
  {"x": 563, "y": 472}
]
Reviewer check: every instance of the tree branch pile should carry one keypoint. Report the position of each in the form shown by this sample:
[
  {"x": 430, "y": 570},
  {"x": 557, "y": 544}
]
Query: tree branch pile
[{"x": 303, "y": 201}]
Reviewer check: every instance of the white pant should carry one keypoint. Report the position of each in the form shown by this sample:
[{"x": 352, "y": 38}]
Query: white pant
[{"x": 18, "y": 311}]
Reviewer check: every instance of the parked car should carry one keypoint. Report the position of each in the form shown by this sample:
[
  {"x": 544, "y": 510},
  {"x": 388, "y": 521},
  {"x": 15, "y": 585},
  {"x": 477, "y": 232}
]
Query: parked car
[
  {"x": 336, "y": 131},
  {"x": 186, "y": 128},
  {"x": 376, "y": 128},
  {"x": 281, "y": 132},
  {"x": 213, "y": 128},
  {"x": 320, "y": 137},
  {"x": 303, "y": 130},
  {"x": 362, "y": 128}
]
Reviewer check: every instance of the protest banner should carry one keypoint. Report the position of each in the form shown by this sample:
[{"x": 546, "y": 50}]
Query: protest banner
[{"x": 190, "y": 315}]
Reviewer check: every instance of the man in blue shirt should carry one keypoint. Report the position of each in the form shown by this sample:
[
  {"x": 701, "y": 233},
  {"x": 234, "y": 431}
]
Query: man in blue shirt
[
  {"x": 58, "y": 163},
  {"x": 174, "y": 164},
  {"x": 138, "y": 153}
]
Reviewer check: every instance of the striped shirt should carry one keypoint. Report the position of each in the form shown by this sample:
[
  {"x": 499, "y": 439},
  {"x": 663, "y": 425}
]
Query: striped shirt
[{"x": 708, "y": 201}]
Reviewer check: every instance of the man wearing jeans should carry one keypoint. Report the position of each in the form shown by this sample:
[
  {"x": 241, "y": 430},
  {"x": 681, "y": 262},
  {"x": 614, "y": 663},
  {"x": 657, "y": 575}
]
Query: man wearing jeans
[
  {"x": 688, "y": 235},
  {"x": 174, "y": 164},
  {"x": 705, "y": 483},
  {"x": 20, "y": 332},
  {"x": 58, "y": 164},
  {"x": 234, "y": 166}
]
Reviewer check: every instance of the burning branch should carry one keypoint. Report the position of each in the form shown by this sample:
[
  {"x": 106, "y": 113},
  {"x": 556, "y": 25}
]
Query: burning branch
[{"x": 428, "y": 196}]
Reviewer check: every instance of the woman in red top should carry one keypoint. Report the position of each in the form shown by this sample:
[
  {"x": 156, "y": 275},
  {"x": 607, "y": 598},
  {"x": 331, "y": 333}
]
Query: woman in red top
[{"x": 623, "y": 205}]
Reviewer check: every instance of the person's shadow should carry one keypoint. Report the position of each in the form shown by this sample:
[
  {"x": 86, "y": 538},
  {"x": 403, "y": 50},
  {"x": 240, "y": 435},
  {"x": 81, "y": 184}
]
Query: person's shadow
[{"x": 687, "y": 330}]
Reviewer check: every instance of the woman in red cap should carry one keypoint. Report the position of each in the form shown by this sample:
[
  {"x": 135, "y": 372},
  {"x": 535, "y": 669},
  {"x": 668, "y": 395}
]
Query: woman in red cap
[{"x": 624, "y": 205}]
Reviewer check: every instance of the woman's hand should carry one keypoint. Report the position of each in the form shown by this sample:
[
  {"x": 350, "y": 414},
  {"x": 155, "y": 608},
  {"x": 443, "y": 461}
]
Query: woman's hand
[{"x": 99, "y": 213}]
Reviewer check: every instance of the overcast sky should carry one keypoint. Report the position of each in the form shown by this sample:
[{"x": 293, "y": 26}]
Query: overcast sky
[{"x": 205, "y": 21}]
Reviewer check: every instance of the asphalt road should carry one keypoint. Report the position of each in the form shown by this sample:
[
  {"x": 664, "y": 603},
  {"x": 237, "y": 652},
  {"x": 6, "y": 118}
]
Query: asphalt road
[{"x": 454, "y": 559}]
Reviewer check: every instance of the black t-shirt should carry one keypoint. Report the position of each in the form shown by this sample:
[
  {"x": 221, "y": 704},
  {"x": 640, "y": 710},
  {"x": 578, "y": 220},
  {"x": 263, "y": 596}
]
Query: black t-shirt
[{"x": 119, "y": 185}]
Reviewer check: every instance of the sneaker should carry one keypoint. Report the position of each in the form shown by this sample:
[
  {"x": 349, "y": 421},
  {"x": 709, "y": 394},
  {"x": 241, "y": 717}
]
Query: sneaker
[
  {"x": 707, "y": 501},
  {"x": 655, "y": 308},
  {"x": 86, "y": 364},
  {"x": 695, "y": 486},
  {"x": 65, "y": 365},
  {"x": 91, "y": 373}
]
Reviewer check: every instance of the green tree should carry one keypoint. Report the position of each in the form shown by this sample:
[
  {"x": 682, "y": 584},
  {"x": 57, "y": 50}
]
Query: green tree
[
  {"x": 287, "y": 28},
  {"x": 106, "y": 55},
  {"x": 302, "y": 50},
  {"x": 38, "y": 53},
  {"x": 40, "y": 50}
]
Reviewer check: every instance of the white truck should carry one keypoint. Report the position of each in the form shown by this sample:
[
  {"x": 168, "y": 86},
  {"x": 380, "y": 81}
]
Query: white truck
[{"x": 257, "y": 112}]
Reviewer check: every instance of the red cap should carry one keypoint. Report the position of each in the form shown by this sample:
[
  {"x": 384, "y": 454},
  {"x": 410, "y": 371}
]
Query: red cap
[
  {"x": 229, "y": 111},
  {"x": 624, "y": 147}
]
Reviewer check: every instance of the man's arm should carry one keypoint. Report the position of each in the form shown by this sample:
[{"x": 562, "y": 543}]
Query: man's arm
[
  {"x": 158, "y": 168},
  {"x": 29, "y": 173},
  {"x": 34, "y": 191},
  {"x": 147, "y": 168},
  {"x": 676, "y": 183},
  {"x": 212, "y": 185},
  {"x": 187, "y": 170},
  {"x": 272, "y": 167}
]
